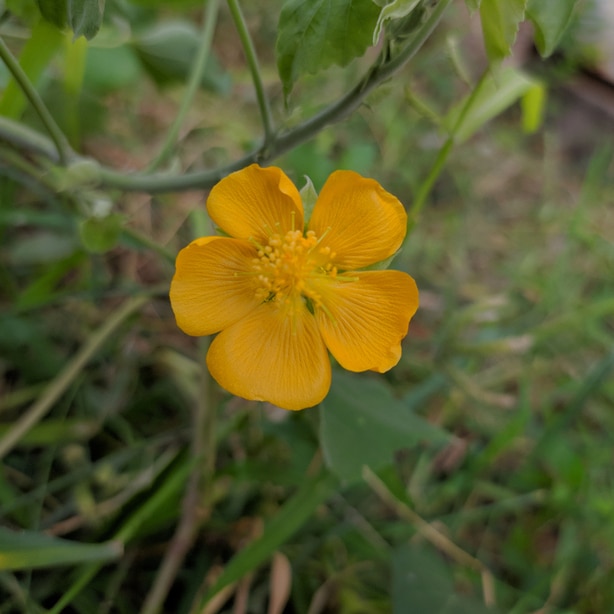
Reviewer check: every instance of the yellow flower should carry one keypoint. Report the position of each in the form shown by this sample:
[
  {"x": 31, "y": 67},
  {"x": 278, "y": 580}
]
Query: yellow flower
[{"x": 282, "y": 296}]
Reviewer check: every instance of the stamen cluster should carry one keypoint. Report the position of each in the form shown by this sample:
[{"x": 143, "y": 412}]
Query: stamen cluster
[{"x": 287, "y": 263}]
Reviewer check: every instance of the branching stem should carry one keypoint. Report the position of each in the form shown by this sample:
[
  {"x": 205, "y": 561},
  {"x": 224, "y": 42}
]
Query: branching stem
[{"x": 280, "y": 143}]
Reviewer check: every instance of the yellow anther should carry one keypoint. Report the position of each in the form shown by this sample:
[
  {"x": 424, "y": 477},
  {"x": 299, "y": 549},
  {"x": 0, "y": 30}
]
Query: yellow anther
[{"x": 287, "y": 266}]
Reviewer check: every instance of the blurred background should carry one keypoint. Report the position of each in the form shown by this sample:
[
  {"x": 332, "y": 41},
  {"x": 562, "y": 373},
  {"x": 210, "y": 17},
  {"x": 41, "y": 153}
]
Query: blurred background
[{"x": 508, "y": 365}]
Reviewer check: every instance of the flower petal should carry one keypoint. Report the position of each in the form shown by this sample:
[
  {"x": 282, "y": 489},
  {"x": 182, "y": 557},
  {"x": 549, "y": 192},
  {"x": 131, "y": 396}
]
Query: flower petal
[
  {"x": 255, "y": 202},
  {"x": 273, "y": 355},
  {"x": 212, "y": 288},
  {"x": 364, "y": 322},
  {"x": 360, "y": 221}
]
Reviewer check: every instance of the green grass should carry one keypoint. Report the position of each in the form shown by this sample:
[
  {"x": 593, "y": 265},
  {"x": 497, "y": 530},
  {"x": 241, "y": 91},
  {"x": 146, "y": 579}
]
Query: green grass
[{"x": 509, "y": 500}]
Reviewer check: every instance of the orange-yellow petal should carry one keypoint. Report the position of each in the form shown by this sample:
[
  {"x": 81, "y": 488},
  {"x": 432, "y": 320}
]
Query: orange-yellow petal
[
  {"x": 212, "y": 287},
  {"x": 364, "y": 321},
  {"x": 256, "y": 202},
  {"x": 273, "y": 355},
  {"x": 360, "y": 221}
]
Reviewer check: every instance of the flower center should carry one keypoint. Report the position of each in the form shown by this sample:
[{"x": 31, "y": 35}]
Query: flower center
[{"x": 287, "y": 264}]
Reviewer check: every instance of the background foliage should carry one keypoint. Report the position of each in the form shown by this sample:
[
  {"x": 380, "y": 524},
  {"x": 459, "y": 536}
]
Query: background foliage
[{"x": 474, "y": 477}]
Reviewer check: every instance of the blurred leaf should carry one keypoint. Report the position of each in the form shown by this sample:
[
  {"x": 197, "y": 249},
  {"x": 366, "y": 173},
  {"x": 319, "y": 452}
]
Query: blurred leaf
[
  {"x": 496, "y": 93},
  {"x": 550, "y": 19},
  {"x": 43, "y": 288},
  {"x": 41, "y": 247},
  {"x": 35, "y": 56},
  {"x": 363, "y": 424},
  {"x": 533, "y": 105},
  {"x": 100, "y": 234},
  {"x": 31, "y": 550},
  {"x": 85, "y": 17},
  {"x": 54, "y": 11},
  {"x": 56, "y": 431},
  {"x": 397, "y": 9},
  {"x": 26, "y": 10},
  {"x": 473, "y": 5},
  {"x": 315, "y": 35},
  {"x": 313, "y": 158},
  {"x": 75, "y": 53},
  {"x": 500, "y": 21},
  {"x": 183, "y": 4},
  {"x": 167, "y": 52},
  {"x": 286, "y": 521},
  {"x": 27, "y": 344},
  {"x": 111, "y": 69},
  {"x": 360, "y": 157},
  {"x": 422, "y": 582}
]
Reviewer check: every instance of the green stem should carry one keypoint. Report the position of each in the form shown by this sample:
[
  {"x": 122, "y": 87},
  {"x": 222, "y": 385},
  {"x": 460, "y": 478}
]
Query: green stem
[
  {"x": 68, "y": 375},
  {"x": 161, "y": 182},
  {"x": 292, "y": 138},
  {"x": 57, "y": 136},
  {"x": 198, "y": 68},
  {"x": 252, "y": 60},
  {"x": 427, "y": 185}
]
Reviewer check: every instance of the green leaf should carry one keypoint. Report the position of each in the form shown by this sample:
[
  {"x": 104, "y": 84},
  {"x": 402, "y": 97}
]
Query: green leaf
[
  {"x": 53, "y": 432},
  {"x": 31, "y": 550},
  {"x": 41, "y": 247},
  {"x": 54, "y": 11},
  {"x": 110, "y": 69},
  {"x": 85, "y": 17},
  {"x": 397, "y": 9},
  {"x": 473, "y": 5},
  {"x": 496, "y": 93},
  {"x": 315, "y": 35},
  {"x": 500, "y": 21},
  {"x": 100, "y": 234},
  {"x": 422, "y": 582},
  {"x": 26, "y": 10},
  {"x": 363, "y": 424},
  {"x": 167, "y": 52},
  {"x": 309, "y": 196},
  {"x": 288, "y": 519},
  {"x": 550, "y": 19}
]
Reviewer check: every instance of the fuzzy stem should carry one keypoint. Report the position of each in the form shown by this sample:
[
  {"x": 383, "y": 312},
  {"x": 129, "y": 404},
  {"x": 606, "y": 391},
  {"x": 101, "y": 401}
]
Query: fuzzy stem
[{"x": 282, "y": 143}]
